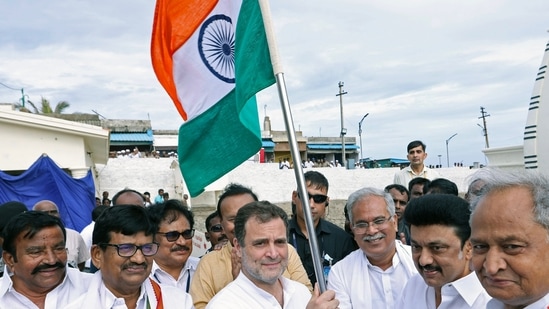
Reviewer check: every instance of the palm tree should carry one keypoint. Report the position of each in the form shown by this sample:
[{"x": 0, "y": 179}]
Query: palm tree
[{"x": 45, "y": 108}]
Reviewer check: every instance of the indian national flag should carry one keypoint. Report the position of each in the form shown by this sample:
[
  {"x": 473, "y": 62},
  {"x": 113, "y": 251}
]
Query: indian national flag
[{"x": 212, "y": 58}]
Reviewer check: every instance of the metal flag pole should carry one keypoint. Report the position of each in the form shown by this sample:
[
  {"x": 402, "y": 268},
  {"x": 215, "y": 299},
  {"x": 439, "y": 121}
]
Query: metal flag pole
[{"x": 298, "y": 169}]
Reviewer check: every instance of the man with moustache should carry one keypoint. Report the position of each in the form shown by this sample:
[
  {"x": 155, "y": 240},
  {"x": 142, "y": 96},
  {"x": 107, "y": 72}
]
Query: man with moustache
[
  {"x": 416, "y": 156},
  {"x": 36, "y": 258},
  {"x": 262, "y": 244},
  {"x": 78, "y": 253},
  {"x": 123, "y": 250},
  {"x": 509, "y": 234},
  {"x": 373, "y": 276},
  {"x": 173, "y": 264},
  {"x": 440, "y": 231},
  {"x": 218, "y": 268}
]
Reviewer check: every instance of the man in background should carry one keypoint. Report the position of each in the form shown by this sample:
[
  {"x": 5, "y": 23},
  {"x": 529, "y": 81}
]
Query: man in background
[{"x": 416, "y": 156}]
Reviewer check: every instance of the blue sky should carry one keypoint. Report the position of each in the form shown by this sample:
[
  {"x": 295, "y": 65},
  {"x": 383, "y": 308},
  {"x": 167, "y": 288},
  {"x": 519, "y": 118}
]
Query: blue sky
[{"x": 421, "y": 69}]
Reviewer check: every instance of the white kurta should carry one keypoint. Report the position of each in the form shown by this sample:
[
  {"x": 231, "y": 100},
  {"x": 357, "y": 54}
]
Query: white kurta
[
  {"x": 74, "y": 284},
  {"x": 244, "y": 294},
  {"x": 466, "y": 292},
  {"x": 185, "y": 277},
  {"x": 359, "y": 284},
  {"x": 98, "y": 296}
]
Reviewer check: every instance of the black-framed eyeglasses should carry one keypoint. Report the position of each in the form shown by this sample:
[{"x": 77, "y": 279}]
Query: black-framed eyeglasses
[
  {"x": 128, "y": 250},
  {"x": 362, "y": 227},
  {"x": 317, "y": 198},
  {"x": 172, "y": 236},
  {"x": 216, "y": 228}
]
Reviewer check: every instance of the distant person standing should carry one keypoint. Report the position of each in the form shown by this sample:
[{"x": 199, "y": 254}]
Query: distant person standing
[
  {"x": 160, "y": 197},
  {"x": 416, "y": 156}
]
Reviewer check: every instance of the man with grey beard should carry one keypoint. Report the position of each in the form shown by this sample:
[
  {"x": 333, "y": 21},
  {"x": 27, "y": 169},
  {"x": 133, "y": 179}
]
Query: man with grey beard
[
  {"x": 261, "y": 241},
  {"x": 374, "y": 275}
]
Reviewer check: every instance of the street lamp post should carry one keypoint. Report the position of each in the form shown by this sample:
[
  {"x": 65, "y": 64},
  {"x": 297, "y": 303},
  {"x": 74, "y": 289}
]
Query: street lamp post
[
  {"x": 360, "y": 133},
  {"x": 439, "y": 163},
  {"x": 343, "y": 130},
  {"x": 447, "y": 153}
]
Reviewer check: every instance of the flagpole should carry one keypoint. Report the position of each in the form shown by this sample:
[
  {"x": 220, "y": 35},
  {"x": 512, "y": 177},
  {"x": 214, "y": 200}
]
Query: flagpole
[{"x": 292, "y": 140}]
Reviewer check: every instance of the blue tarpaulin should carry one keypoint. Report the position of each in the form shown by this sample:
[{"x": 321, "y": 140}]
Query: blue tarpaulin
[{"x": 44, "y": 180}]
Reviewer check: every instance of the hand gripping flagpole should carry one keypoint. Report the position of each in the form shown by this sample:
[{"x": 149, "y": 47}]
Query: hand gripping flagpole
[{"x": 298, "y": 169}]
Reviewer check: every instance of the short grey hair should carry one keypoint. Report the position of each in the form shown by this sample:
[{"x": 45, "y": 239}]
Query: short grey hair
[
  {"x": 537, "y": 183},
  {"x": 360, "y": 194}
]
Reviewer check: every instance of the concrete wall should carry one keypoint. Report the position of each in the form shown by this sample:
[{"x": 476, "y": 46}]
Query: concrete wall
[{"x": 269, "y": 182}]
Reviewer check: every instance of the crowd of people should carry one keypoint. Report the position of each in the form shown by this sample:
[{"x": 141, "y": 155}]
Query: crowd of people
[{"x": 415, "y": 243}]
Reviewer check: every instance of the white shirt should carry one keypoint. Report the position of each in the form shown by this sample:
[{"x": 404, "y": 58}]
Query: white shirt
[
  {"x": 73, "y": 285},
  {"x": 359, "y": 284},
  {"x": 404, "y": 176},
  {"x": 185, "y": 277},
  {"x": 466, "y": 292},
  {"x": 78, "y": 252},
  {"x": 244, "y": 294},
  {"x": 87, "y": 234},
  {"x": 542, "y": 303},
  {"x": 98, "y": 296}
]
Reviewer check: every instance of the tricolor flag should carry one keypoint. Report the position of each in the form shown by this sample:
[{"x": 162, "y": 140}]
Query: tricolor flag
[{"x": 212, "y": 58}]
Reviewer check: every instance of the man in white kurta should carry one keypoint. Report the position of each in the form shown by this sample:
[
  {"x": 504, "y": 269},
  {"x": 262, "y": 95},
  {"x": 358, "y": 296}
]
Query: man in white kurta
[
  {"x": 373, "y": 276},
  {"x": 361, "y": 285},
  {"x": 99, "y": 296},
  {"x": 262, "y": 245},
  {"x": 74, "y": 284},
  {"x": 184, "y": 279},
  {"x": 466, "y": 292},
  {"x": 442, "y": 252},
  {"x": 36, "y": 273},
  {"x": 244, "y": 294}
]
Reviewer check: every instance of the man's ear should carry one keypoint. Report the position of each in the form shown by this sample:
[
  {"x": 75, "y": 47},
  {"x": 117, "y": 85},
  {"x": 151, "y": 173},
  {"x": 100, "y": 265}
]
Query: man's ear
[
  {"x": 327, "y": 201},
  {"x": 238, "y": 248},
  {"x": 207, "y": 235},
  {"x": 96, "y": 256},
  {"x": 9, "y": 259},
  {"x": 468, "y": 250}
]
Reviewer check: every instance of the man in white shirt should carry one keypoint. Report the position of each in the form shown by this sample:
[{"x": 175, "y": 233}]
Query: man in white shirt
[
  {"x": 509, "y": 234},
  {"x": 123, "y": 250},
  {"x": 373, "y": 276},
  {"x": 78, "y": 252},
  {"x": 261, "y": 242},
  {"x": 173, "y": 264},
  {"x": 440, "y": 231},
  {"x": 416, "y": 156},
  {"x": 36, "y": 261},
  {"x": 87, "y": 233}
]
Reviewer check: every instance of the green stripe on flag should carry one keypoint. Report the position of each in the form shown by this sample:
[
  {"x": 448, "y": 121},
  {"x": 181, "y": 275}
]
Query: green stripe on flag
[{"x": 228, "y": 133}]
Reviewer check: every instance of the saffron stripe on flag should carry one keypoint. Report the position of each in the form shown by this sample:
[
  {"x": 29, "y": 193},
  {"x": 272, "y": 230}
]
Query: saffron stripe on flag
[{"x": 217, "y": 139}]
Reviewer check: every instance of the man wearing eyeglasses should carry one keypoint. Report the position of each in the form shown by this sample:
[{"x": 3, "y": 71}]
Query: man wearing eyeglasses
[
  {"x": 214, "y": 232},
  {"x": 373, "y": 276},
  {"x": 333, "y": 242},
  {"x": 173, "y": 264},
  {"x": 123, "y": 250},
  {"x": 36, "y": 258}
]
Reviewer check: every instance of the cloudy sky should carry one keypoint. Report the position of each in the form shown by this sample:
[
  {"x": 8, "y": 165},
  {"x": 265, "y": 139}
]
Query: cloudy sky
[{"x": 421, "y": 69}]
